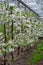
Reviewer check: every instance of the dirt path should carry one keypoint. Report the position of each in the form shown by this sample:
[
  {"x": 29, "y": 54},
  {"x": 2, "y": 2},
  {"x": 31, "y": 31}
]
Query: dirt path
[
  {"x": 26, "y": 56},
  {"x": 23, "y": 59}
]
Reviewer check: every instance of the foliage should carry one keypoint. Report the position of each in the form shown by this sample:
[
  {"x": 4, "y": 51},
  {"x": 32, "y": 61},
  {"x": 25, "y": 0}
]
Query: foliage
[
  {"x": 25, "y": 29},
  {"x": 37, "y": 56}
]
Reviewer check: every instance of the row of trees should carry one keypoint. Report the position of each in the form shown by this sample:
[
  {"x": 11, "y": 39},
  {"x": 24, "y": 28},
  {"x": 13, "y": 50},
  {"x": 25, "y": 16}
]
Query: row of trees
[{"x": 20, "y": 29}]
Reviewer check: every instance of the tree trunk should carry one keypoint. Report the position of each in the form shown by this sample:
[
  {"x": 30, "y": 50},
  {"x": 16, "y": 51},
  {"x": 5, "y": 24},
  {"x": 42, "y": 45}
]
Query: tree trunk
[
  {"x": 21, "y": 49},
  {"x": 12, "y": 30},
  {"x": 5, "y": 59},
  {"x": 18, "y": 50},
  {"x": 5, "y": 33},
  {"x": 12, "y": 56}
]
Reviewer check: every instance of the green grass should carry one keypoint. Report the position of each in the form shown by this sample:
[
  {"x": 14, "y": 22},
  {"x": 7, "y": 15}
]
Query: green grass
[{"x": 37, "y": 56}]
